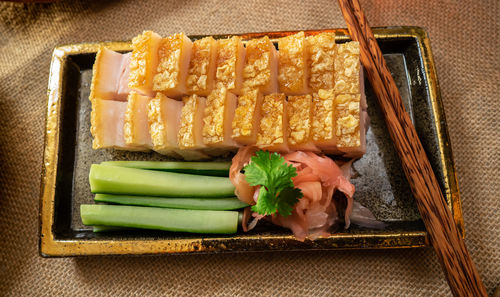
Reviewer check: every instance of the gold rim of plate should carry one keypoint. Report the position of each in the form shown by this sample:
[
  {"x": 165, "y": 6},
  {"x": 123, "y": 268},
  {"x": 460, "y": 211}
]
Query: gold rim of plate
[{"x": 51, "y": 246}]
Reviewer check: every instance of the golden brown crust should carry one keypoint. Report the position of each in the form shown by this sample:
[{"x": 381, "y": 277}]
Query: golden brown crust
[
  {"x": 228, "y": 60},
  {"x": 213, "y": 128},
  {"x": 347, "y": 67},
  {"x": 347, "y": 121},
  {"x": 128, "y": 126},
  {"x": 246, "y": 113},
  {"x": 299, "y": 119},
  {"x": 272, "y": 131},
  {"x": 189, "y": 129},
  {"x": 186, "y": 137},
  {"x": 107, "y": 118},
  {"x": 202, "y": 66},
  {"x": 293, "y": 70},
  {"x": 96, "y": 73},
  {"x": 257, "y": 71},
  {"x": 95, "y": 123},
  {"x": 323, "y": 113},
  {"x": 156, "y": 124},
  {"x": 143, "y": 61},
  {"x": 135, "y": 123},
  {"x": 171, "y": 55},
  {"x": 322, "y": 51}
]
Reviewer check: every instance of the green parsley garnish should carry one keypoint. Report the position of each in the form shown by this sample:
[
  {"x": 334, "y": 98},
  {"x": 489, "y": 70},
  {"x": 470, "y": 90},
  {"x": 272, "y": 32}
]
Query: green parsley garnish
[{"x": 277, "y": 192}]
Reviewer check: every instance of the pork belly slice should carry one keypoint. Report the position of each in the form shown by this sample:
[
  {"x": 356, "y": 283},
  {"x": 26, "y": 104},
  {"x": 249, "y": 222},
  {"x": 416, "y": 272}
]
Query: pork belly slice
[
  {"x": 136, "y": 126},
  {"x": 322, "y": 52},
  {"x": 293, "y": 71},
  {"x": 273, "y": 130},
  {"x": 201, "y": 73},
  {"x": 190, "y": 138},
  {"x": 247, "y": 117},
  {"x": 323, "y": 129},
  {"x": 143, "y": 62},
  {"x": 122, "y": 90},
  {"x": 230, "y": 64},
  {"x": 217, "y": 120},
  {"x": 174, "y": 54},
  {"x": 299, "y": 123},
  {"x": 107, "y": 121},
  {"x": 348, "y": 71},
  {"x": 349, "y": 121},
  {"x": 110, "y": 75},
  {"x": 164, "y": 115},
  {"x": 261, "y": 67}
]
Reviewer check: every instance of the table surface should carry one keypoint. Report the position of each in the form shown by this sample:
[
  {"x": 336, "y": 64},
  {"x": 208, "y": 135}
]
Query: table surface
[{"x": 465, "y": 41}]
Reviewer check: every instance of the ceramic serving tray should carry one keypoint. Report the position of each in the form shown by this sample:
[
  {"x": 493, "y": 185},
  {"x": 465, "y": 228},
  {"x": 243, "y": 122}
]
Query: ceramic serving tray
[{"x": 379, "y": 179}]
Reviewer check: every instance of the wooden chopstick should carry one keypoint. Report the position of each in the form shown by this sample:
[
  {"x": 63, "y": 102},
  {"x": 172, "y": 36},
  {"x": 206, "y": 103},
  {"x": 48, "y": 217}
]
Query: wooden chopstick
[{"x": 459, "y": 269}]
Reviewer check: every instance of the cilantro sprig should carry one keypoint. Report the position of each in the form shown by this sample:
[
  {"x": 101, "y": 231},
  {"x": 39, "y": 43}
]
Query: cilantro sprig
[{"x": 277, "y": 192}]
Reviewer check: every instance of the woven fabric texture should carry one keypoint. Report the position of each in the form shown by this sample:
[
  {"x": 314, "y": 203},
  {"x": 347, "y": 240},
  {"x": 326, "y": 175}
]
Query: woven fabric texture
[{"x": 465, "y": 42}]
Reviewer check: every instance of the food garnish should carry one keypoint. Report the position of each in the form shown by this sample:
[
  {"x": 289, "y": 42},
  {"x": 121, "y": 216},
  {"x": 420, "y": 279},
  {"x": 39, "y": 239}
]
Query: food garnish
[{"x": 277, "y": 193}]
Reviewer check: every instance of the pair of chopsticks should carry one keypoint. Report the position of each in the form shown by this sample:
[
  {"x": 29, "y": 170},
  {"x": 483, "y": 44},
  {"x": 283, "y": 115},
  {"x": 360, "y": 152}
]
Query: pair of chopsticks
[{"x": 462, "y": 276}]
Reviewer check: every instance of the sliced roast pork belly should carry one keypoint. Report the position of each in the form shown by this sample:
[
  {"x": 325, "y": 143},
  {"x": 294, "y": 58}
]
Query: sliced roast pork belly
[
  {"x": 174, "y": 53},
  {"x": 325, "y": 111},
  {"x": 300, "y": 122},
  {"x": 348, "y": 70},
  {"x": 217, "y": 121},
  {"x": 143, "y": 62},
  {"x": 350, "y": 118},
  {"x": 349, "y": 121},
  {"x": 247, "y": 117},
  {"x": 322, "y": 52},
  {"x": 273, "y": 129},
  {"x": 261, "y": 67},
  {"x": 122, "y": 89},
  {"x": 293, "y": 69},
  {"x": 190, "y": 137},
  {"x": 230, "y": 63},
  {"x": 201, "y": 74},
  {"x": 339, "y": 123},
  {"x": 136, "y": 127},
  {"x": 164, "y": 115},
  {"x": 323, "y": 128},
  {"x": 110, "y": 75},
  {"x": 107, "y": 122}
]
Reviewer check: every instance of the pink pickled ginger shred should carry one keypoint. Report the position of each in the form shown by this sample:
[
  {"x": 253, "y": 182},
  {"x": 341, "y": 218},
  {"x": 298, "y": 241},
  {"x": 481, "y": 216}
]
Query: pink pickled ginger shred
[
  {"x": 317, "y": 212},
  {"x": 318, "y": 177},
  {"x": 243, "y": 190}
]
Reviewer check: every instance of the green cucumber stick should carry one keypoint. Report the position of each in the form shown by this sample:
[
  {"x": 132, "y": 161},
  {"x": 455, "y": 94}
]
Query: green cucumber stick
[
  {"x": 181, "y": 220},
  {"x": 184, "y": 203},
  {"x": 199, "y": 168},
  {"x": 132, "y": 181}
]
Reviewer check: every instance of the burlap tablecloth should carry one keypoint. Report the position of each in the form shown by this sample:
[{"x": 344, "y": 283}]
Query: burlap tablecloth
[{"x": 465, "y": 42}]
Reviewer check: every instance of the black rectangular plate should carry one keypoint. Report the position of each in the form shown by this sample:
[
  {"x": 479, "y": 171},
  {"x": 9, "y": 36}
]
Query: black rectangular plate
[{"x": 379, "y": 180}]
